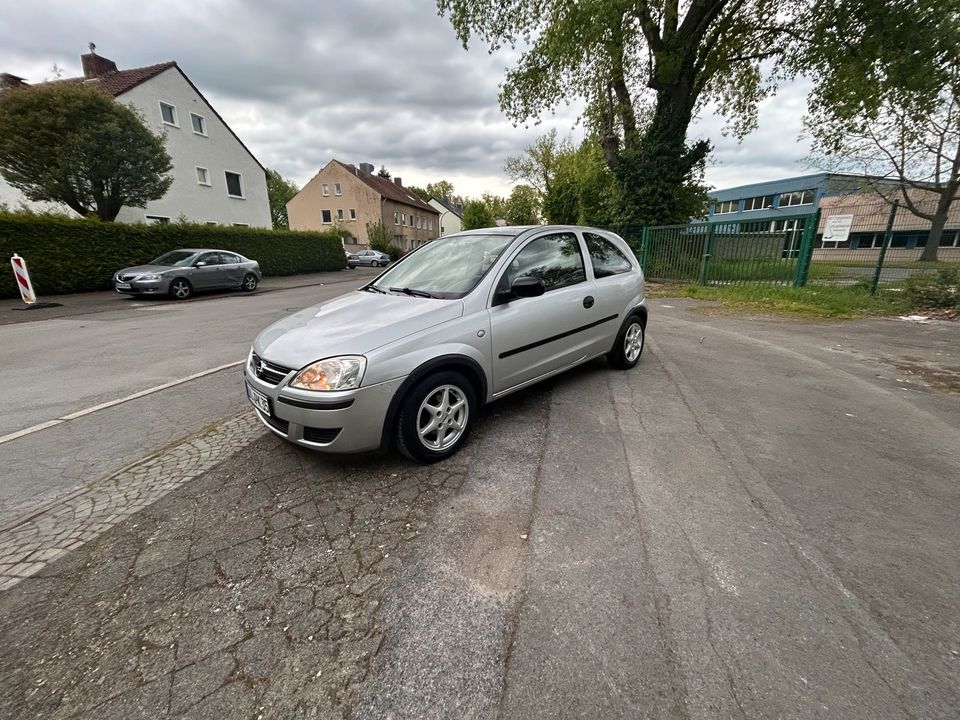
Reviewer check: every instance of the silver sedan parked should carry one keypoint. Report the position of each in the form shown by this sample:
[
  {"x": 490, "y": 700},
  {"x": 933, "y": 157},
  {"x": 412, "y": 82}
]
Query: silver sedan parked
[
  {"x": 179, "y": 273},
  {"x": 409, "y": 358},
  {"x": 373, "y": 258}
]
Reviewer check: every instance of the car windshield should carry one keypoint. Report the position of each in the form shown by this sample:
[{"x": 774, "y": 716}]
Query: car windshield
[
  {"x": 445, "y": 268},
  {"x": 178, "y": 258}
]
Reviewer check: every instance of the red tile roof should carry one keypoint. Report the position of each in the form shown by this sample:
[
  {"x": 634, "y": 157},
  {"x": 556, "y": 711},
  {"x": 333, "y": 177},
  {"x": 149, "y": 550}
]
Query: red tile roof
[{"x": 390, "y": 190}]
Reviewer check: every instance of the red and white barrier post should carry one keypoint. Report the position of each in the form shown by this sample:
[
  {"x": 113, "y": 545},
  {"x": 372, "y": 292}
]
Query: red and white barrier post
[{"x": 20, "y": 271}]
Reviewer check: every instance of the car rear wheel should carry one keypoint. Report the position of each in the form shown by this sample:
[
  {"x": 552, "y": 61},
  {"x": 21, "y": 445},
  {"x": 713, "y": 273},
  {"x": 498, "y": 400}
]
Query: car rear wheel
[
  {"x": 249, "y": 282},
  {"x": 181, "y": 289},
  {"x": 629, "y": 346},
  {"x": 436, "y": 416}
]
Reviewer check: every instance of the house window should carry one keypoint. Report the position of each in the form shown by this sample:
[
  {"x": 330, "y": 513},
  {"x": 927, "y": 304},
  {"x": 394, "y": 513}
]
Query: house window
[
  {"x": 156, "y": 220},
  {"x": 241, "y": 225},
  {"x": 168, "y": 113},
  {"x": 403, "y": 218},
  {"x": 340, "y": 214},
  {"x": 325, "y": 188},
  {"x": 234, "y": 184},
  {"x": 758, "y": 203},
  {"x": 396, "y": 218},
  {"x": 325, "y": 217},
  {"x": 419, "y": 220},
  {"x": 727, "y": 206},
  {"x": 800, "y": 197},
  {"x": 430, "y": 224},
  {"x": 336, "y": 189},
  {"x": 203, "y": 176},
  {"x": 353, "y": 214},
  {"x": 199, "y": 124}
]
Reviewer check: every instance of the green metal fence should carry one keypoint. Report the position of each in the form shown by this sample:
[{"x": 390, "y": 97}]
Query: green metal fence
[{"x": 878, "y": 245}]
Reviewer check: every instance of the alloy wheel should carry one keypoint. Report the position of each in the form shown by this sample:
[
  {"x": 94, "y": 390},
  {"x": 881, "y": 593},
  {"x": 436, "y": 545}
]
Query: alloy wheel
[
  {"x": 633, "y": 342},
  {"x": 181, "y": 289},
  {"x": 442, "y": 417}
]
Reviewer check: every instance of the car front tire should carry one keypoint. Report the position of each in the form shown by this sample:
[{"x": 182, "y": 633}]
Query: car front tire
[
  {"x": 629, "y": 345},
  {"x": 436, "y": 417},
  {"x": 180, "y": 289}
]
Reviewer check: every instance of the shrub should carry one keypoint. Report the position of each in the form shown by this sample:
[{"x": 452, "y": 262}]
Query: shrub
[
  {"x": 75, "y": 255},
  {"x": 940, "y": 290}
]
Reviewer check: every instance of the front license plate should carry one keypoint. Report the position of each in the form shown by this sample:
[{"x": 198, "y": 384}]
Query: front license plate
[
  {"x": 260, "y": 401},
  {"x": 123, "y": 286}
]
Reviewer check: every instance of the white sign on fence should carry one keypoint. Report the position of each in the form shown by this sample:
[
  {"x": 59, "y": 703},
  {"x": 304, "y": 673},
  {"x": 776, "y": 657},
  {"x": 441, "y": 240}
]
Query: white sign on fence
[{"x": 836, "y": 228}]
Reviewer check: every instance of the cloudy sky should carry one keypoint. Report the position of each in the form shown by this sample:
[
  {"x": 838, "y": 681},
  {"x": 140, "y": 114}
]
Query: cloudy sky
[{"x": 375, "y": 81}]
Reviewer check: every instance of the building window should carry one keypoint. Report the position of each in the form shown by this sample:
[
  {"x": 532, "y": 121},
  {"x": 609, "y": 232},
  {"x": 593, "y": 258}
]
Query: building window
[
  {"x": 156, "y": 220},
  {"x": 325, "y": 188},
  {"x": 353, "y": 214},
  {"x": 203, "y": 176},
  {"x": 727, "y": 206},
  {"x": 168, "y": 113},
  {"x": 234, "y": 184},
  {"x": 198, "y": 123},
  {"x": 325, "y": 217},
  {"x": 336, "y": 189},
  {"x": 403, "y": 218},
  {"x": 800, "y": 197},
  {"x": 241, "y": 225},
  {"x": 419, "y": 223},
  {"x": 430, "y": 224},
  {"x": 761, "y": 202},
  {"x": 396, "y": 218},
  {"x": 340, "y": 214}
]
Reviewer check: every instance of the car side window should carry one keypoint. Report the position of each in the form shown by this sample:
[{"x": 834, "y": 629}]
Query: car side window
[
  {"x": 229, "y": 259},
  {"x": 554, "y": 259},
  {"x": 210, "y": 259},
  {"x": 606, "y": 258}
]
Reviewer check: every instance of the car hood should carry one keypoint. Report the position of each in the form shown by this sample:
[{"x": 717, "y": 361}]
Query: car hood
[
  {"x": 351, "y": 324},
  {"x": 140, "y": 269}
]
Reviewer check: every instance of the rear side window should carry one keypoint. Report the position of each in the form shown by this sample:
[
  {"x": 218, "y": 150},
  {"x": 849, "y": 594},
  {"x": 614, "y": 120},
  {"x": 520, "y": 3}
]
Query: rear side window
[
  {"x": 554, "y": 259},
  {"x": 229, "y": 258},
  {"x": 607, "y": 259}
]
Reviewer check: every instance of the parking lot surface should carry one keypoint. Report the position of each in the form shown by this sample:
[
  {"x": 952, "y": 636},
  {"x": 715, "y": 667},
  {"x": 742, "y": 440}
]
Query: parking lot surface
[{"x": 758, "y": 521}]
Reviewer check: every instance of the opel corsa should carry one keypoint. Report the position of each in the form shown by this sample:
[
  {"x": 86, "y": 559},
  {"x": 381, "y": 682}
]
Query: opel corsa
[{"x": 412, "y": 356}]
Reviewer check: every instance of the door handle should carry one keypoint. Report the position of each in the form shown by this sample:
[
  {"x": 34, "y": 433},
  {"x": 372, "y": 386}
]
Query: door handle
[{"x": 588, "y": 301}]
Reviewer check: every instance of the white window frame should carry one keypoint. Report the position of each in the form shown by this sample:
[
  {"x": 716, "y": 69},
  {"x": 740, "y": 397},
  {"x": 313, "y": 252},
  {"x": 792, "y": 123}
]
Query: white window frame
[
  {"x": 337, "y": 190},
  {"x": 243, "y": 192},
  {"x": 148, "y": 218},
  {"x": 403, "y": 218},
  {"x": 176, "y": 115},
  {"x": 353, "y": 214},
  {"x": 203, "y": 124},
  {"x": 325, "y": 189},
  {"x": 326, "y": 222},
  {"x": 339, "y": 214},
  {"x": 750, "y": 206},
  {"x": 801, "y": 193},
  {"x": 735, "y": 208},
  {"x": 206, "y": 172},
  {"x": 396, "y": 218}
]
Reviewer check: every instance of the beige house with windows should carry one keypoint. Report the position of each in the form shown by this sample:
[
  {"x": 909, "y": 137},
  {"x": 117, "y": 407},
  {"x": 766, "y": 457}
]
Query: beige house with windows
[{"x": 349, "y": 197}]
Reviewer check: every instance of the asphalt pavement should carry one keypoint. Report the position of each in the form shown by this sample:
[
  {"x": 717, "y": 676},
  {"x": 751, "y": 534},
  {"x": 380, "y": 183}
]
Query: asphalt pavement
[{"x": 758, "y": 521}]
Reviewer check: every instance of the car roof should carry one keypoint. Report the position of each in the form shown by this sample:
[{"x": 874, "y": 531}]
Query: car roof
[
  {"x": 203, "y": 250},
  {"x": 517, "y": 230}
]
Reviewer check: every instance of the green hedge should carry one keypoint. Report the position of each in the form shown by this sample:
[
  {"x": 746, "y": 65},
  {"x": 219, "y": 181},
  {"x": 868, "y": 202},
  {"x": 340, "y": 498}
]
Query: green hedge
[{"x": 66, "y": 255}]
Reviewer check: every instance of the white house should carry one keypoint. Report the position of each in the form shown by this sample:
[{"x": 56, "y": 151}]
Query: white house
[
  {"x": 451, "y": 215},
  {"x": 216, "y": 179}
]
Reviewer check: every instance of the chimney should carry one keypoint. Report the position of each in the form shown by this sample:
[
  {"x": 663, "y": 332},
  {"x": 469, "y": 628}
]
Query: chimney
[
  {"x": 366, "y": 169},
  {"x": 398, "y": 181},
  {"x": 95, "y": 66}
]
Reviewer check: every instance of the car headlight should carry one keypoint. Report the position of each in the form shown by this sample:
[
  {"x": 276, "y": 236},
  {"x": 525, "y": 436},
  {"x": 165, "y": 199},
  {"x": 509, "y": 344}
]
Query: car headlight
[
  {"x": 339, "y": 373},
  {"x": 148, "y": 277}
]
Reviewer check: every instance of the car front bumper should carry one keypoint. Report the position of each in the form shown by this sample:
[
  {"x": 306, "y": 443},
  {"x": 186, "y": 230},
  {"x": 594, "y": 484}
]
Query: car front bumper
[
  {"x": 142, "y": 287},
  {"x": 351, "y": 422}
]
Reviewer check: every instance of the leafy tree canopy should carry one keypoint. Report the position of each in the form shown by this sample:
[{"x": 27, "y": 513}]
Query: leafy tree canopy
[
  {"x": 279, "y": 193},
  {"x": 523, "y": 206},
  {"x": 72, "y": 143},
  {"x": 383, "y": 172},
  {"x": 440, "y": 189},
  {"x": 477, "y": 215}
]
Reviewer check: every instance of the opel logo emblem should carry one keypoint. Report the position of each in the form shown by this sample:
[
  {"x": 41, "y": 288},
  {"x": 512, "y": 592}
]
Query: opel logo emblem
[{"x": 259, "y": 366}]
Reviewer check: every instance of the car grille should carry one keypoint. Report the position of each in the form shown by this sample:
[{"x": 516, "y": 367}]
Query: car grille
[
  {"x": 268, "y": 372},
  {"x": 276, "y": 423},
  {"x": 127, "y": 277},
  {"x": 320, "y": 435}
]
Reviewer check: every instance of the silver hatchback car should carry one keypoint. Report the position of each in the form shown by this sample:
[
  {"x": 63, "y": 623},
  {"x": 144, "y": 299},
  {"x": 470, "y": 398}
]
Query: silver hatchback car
[{"x": 412, "y": 356}]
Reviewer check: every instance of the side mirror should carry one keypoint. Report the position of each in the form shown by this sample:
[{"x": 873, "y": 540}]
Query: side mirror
[
  {"x": 200, "y": 264},
  {"x": 527, "y": 286}
]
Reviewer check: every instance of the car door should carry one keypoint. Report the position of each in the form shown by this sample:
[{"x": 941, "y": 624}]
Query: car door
[
  {"x": 535, "y": 336},
  {"x": 206, "y": 272},
  {"x": 232, "y": 270},
  {"x": 615, "y": 283}
]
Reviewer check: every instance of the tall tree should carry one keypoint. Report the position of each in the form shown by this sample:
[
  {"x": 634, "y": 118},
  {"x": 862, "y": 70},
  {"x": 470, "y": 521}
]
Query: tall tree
[
  {"x": 477, "y": 215},
  {"x": 523, "y": 206},
  {"x": 279, "y": 193},
  {"x": 383, "y": 172},
  {"x": 645, "y": 67},
  {"x": 496, "y": 204},
  {"x": 539, "y": 163},
  {"x": 72, "y": 143},
  {"x": 440, "y": 189},
  {"x": 420, "y": 192},
  {"x": 887, "y": 100}
]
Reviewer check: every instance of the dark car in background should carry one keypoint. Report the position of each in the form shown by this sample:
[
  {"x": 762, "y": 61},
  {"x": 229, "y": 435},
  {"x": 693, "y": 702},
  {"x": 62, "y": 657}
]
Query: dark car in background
[{"x": 180, "y": 273}]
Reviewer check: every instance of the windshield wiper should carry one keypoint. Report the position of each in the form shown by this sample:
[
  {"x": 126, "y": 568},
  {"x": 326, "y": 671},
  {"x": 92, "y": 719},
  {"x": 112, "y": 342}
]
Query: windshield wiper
[
  {"x": 411, "y": 291},
  {"x": 374, "y": 288}
]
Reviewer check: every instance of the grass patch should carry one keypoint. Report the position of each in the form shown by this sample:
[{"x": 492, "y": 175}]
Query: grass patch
[{"x": 822, "y": 303}]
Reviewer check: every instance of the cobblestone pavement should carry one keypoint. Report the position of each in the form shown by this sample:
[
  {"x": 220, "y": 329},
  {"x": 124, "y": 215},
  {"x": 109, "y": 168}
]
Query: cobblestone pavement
[
  {"x": 250, "y": 591},
  {"x": 28, "y": 545}
]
